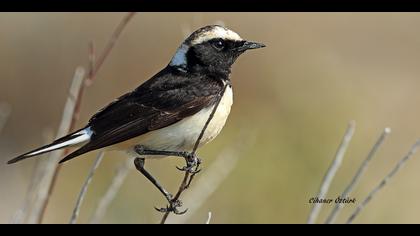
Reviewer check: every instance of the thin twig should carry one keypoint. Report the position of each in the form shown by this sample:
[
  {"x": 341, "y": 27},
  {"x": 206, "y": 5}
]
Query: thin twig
[
  {"x": 180, "y": 190},
  {"x": 214, "y": 175},
  {"x": 92, "y": 60},
  {"x": 197, "y": 142},
  {"x": 51, "y": 164},
  {"x": 335, "y": 165},
  {"x": 384, "y": 182},
  {"x": 362, "y": 169},
  {"x": 111, "y": 42},
  {"x": 84, "y": 189},
  {"x": 73, "y": 115},
  {"x": 208, "y": 218},
  {"x": 21, "y": 215},
  {"x": 186, "y": 180},
  {"x": 112, "y": 191}
]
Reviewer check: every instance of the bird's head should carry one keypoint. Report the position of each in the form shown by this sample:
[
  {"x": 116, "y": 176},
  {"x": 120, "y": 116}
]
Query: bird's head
[{"x": 211, "y": 48}]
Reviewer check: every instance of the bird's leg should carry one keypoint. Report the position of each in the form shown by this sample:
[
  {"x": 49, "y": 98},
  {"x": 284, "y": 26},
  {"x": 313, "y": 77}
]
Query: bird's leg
[
  {"x": 191, "y": 158},
  {"x": 173, "y": 205},
  {"x": 139, "y": 163}
]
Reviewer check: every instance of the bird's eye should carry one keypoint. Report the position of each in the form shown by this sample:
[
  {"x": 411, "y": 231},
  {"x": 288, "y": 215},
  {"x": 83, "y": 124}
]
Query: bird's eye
[{"x": 219, "y": 44}]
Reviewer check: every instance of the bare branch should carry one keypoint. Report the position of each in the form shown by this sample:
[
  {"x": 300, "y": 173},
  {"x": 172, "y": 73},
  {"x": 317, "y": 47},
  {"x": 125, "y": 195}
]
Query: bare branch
[
  {"x": 92, "y": 60},
  {"x": 208, "y": 218},
  {"x": 51, "y": 164},
  {"x": 72, "y": 114},
  {"x": 214, "y": 176},
  {"x": 111, "y": 43},
  {"x": 384, "y": 182},
  {"x": 362, "y": 169},
  {"x": 208, "y": 183},
  {"x": 188, "y": 177},
  {"x": 112, "y": 191},
  {"x": 23, "y": 213},
  {"x": 85, "y": 186},
  {"x": 335, "y": 165}
]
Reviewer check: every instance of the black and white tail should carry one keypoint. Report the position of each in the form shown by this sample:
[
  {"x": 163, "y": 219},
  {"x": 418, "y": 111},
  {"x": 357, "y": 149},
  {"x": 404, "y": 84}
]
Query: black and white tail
[{"x": 79, "y": 137}]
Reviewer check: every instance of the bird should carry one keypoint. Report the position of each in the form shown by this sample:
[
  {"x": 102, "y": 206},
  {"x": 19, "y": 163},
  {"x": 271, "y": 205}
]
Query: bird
[{"x": 165, "y": 115}]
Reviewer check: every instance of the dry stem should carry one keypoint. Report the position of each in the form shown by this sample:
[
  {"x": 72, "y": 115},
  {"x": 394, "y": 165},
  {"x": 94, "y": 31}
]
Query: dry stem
[{"x": 335, "y": 165}]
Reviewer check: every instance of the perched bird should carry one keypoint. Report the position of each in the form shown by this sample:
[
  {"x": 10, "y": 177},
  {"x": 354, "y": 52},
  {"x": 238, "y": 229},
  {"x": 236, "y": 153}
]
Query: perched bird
[{"x": 166, "y": 114}]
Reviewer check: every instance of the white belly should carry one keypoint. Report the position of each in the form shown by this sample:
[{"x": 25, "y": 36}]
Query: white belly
[{"x": 182, "y": 135}]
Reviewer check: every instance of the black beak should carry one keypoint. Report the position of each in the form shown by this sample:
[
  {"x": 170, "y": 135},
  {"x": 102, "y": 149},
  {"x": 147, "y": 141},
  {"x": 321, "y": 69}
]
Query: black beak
[{"x": 250, "y": 45}]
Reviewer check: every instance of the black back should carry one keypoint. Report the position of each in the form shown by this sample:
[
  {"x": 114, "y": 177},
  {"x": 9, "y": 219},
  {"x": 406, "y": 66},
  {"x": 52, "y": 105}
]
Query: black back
[{"x": 166, "y": 98}]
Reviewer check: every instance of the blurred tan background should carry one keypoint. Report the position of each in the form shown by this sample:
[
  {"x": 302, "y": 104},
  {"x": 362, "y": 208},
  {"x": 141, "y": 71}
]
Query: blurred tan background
[{"x": 319, "y": 71}]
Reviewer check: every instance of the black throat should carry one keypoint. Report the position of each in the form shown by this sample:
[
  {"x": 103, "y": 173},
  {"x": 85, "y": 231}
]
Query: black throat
[{"x": 195, "y": 65}]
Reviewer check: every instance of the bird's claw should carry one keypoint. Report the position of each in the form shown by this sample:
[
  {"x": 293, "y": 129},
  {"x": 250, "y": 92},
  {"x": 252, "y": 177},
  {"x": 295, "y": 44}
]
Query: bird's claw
[
  {"x": 176, "y": 212},
  {"x": 192, "y": 162},
  {"x": 162, "y": 210},
  {"x": 172, "y": 207},
  {"x": 188, "y": 169}
]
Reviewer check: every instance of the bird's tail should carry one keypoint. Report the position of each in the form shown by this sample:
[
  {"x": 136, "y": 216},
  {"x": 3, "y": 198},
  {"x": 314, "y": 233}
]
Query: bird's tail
[{"x": 75, "y": 138}]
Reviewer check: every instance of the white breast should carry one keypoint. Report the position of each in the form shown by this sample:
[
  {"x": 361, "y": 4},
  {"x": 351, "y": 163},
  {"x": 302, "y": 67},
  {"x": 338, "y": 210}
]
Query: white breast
[
  {"x": 219, "y": 118},
  {"x": 182, "y": 135}
]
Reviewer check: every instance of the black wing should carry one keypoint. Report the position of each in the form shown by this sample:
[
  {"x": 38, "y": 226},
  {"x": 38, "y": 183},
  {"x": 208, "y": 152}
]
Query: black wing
[{"x": 166, "y": 98}]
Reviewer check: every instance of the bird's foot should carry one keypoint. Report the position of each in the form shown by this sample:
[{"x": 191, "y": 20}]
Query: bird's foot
[
  {"x": 172, "y": 207},
  {"x": 193, "y": 163}
]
